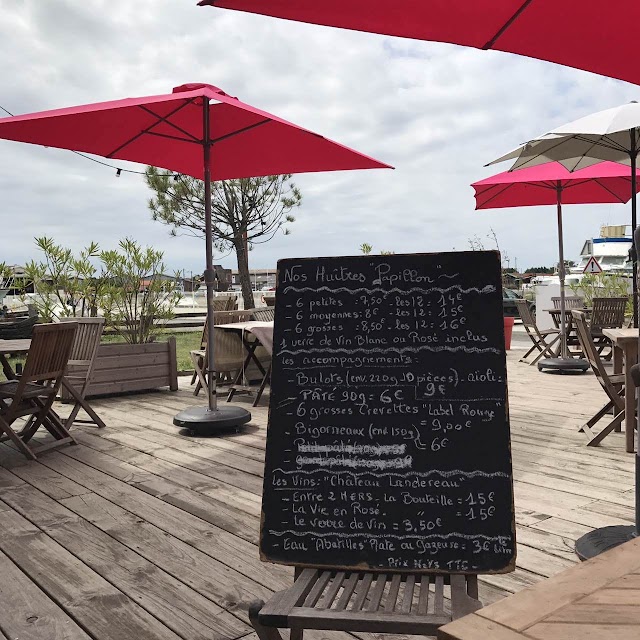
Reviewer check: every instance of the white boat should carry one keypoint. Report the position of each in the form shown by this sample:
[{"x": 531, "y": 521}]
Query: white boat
[
  {"x": 610, "y": 249},
  {"x": 547, "y": 279}
]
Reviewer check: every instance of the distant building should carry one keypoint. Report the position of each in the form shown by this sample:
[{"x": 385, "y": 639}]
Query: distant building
[
  {"x": 145, "y": 282},
  {"x": 511, "y": 280},
  {"x": 190, "y": 284},
  {"x": 17, "y": 283},
  {"x": 222, "y": 279},
  {"x": 259, "y": 278}
]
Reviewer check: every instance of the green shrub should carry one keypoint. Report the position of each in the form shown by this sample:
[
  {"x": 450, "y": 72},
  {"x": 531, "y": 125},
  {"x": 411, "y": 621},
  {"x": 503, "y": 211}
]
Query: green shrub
[
  {"x": 64, "y": 285},
  {"x": 603, "y": 285},
  {"x": 135, "y": 311},
  {"x": 122, "y": 283}
]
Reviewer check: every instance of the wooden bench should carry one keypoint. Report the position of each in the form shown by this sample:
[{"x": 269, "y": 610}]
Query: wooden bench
[{"x": 374, "y": 602}]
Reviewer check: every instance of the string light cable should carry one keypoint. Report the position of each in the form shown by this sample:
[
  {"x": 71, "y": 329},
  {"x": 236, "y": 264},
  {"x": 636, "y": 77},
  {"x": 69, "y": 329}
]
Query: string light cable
[{"x": 119, "y": 170}]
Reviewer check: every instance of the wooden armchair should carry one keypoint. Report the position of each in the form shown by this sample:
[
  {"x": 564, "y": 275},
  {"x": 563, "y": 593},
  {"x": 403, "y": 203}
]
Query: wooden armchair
[
  {"x": 539, "y": 337},
  {"x": 80, "y": 367},
  {"x": 613, "y": 385},
  {"x": 32, "y": 394}
]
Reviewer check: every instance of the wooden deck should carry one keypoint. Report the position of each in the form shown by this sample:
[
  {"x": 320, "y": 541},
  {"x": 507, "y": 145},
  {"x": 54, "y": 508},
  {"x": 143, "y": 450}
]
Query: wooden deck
[{"x": 143, "y": 533}]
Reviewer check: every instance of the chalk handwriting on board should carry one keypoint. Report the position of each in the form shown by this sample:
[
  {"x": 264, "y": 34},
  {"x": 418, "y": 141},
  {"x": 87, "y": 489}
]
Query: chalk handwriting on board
[{"x": 388, "y": 439}]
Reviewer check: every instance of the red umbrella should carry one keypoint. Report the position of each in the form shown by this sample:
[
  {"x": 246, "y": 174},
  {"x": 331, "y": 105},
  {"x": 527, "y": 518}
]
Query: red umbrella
[
  {"x": 200, "y": 131},
  {"x": 569, "y": 32},
  {"x": 167, "y": 131},
  {"x": 552, "y": 183},
  {"x": 600, "y": 183}
]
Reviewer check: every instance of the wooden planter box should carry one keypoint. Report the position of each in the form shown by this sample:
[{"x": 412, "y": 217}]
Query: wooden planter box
[{"x": 134, "y": 367}]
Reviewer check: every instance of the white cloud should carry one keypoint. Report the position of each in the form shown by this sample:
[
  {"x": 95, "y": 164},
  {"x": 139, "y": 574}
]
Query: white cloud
[{"x": 436, "y": 112}]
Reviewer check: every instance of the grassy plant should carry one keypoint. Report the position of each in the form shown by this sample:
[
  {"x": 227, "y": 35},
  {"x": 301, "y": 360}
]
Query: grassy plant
[
  {"x": 603, "y": 285},
  {"x": 186, "y": 341}
]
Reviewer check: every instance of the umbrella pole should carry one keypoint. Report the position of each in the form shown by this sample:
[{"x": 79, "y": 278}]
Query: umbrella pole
[
  {"x": 563, "y": 322},
  {"x": 633, "y": 152},
  {"x": 208, "y": 273},
  {"x": 563, "y": 363},
  {"x": 210, "y": 419},
  {"x": 635, "y": 374}
]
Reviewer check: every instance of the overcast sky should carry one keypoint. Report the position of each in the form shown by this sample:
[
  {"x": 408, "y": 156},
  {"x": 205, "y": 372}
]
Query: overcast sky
[{"x": 436, "y": 112}]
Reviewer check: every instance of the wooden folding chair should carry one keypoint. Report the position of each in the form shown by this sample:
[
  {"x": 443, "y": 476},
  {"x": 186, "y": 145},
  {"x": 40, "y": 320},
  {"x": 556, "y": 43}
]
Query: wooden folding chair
[
  {"x": 264, "y": 315},
  {"x": 198, "y": 359},
  {"x": 364, "y": 601},
  {"x": 229, "y": 354},
  {"x": 613, "y": 385},
  {"x": 224, "y": 303},
  {"x": 606, "y": 313},
  {"x": 220, "y": 305},
  {"x": 538, "y": 337},
  {"x": 80, "y": 367},
  {"x": 32, "y": 394},
  {"x": 570, "y": 302},
  {"x": 258, "y": 354},
  {"x": 197, "y": 355}
]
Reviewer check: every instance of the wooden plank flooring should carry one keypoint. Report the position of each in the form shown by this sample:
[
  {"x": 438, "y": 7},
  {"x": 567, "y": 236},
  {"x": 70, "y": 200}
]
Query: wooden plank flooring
[{"x": 142, "y": 532}]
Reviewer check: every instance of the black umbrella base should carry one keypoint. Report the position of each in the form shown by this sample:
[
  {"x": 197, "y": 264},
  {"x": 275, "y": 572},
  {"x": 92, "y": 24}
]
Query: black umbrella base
[
  {"x": 206, "y": 422},
  {"x": 600, "y": 540},
  {"x": 563, "y": 365}
]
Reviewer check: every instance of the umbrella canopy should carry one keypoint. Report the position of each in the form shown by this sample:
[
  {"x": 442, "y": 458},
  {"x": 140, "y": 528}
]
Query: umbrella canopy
[
  {"x": 197, "y": 130},
  {"x": 612, "y": 134},
  {"x": 568, "y": 32},
  {"x": 552, "y": 183},
  {"x": 601, "y": 183},
  {"x": 167, "y": 131}
]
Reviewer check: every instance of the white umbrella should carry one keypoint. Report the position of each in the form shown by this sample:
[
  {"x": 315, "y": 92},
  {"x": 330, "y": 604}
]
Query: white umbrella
[{"x": 612, "y": 134}]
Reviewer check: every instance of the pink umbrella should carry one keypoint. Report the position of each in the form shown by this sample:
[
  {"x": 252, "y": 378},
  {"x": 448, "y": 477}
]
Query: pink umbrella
[
  {"x": 200, "y": 131},
  {"x": 552, "y": 183},
  {"x": 568, "y": 32}
]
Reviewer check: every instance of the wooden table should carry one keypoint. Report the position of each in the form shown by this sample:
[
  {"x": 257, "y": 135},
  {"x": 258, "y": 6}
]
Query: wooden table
[
  {"x": 625, "y": 355},
  {"x": 572, "y": 336},
  {"x": 598, "y": 599},
  {"x": 12, "y": 348}
]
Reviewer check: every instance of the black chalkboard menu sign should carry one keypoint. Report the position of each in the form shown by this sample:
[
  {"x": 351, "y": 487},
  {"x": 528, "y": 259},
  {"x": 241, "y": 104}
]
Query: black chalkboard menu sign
[{"x": 388, "y": 440}]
